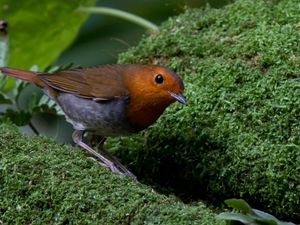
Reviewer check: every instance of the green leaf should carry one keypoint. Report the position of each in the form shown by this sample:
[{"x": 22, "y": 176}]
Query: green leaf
[
  {"x": 44, "y": 109},
  {"x": 20, "y": 118},
  {"x": 32, "y": 102},
  {"x": 264, "y": 221},
  {"x": 239, "y": 204},
  {"x": 19, "y": 86},
  {"x": 249, "y": 215},
  {"x": 55, "y": 69},
  {"x": 264, "y": 215},
  {"x": 267, "y": 216},
  {"x": 236, "y": 217},
  {"x": 46, "y": 104},
  {"x": 6, "y": 83},
  {"x": 4, "y": 99},
  {"x": 285, "y": 223},
  {"x": 41, "y": 30}
]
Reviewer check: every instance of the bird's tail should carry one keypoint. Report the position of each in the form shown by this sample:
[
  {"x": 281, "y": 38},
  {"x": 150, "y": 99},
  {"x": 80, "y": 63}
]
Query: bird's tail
[{"x": 23, "y": 75}]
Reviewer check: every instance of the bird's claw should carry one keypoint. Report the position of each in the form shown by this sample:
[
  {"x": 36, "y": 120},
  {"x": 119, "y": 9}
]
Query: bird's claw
[{"x": 113, "y": 164}]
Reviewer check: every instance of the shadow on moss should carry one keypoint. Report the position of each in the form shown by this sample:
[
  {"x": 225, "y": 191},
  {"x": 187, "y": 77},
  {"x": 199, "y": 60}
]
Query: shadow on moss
[{"x": 183, "y": 173}]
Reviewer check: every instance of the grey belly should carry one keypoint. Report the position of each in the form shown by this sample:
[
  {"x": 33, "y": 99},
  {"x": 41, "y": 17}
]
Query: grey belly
[{"x": 106, "y": 118}]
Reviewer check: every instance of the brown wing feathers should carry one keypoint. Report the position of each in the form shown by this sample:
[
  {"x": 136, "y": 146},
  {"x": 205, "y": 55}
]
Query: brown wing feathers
[
  {"x": 98, "y": 82},
  {"x": 103, "y": 82},
  {"x": 67, "y": 81}
]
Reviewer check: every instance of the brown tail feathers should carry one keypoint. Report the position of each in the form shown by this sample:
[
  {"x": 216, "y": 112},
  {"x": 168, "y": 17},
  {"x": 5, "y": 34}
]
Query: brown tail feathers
[{"x": 23, "y": 75}]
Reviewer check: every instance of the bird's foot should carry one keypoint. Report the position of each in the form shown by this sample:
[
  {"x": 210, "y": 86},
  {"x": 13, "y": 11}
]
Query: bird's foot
[{"x": 113, "y": 164}]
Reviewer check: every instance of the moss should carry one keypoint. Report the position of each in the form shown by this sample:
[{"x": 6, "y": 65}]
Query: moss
[
  {"x": 42, "y": 182},
  {"x": 239, "y": 135}
]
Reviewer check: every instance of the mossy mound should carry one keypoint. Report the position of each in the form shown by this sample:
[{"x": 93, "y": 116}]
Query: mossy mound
[
  {"x": 44, "y": 183},
  {"x": 239, "y": 135}
]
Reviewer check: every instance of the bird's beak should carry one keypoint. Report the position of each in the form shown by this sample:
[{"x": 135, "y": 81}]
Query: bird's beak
[{"x": 179, "y": 97}]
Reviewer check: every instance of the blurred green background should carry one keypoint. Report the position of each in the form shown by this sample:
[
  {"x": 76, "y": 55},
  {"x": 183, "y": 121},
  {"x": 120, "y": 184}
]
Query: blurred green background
[{"x": 102, "y": 38}]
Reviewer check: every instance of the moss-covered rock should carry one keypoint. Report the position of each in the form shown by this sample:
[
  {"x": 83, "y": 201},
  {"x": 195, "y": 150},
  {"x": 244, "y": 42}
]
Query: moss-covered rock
[
  {"x": 239, "y": 135},
  {"x": 42, "y": 182}
]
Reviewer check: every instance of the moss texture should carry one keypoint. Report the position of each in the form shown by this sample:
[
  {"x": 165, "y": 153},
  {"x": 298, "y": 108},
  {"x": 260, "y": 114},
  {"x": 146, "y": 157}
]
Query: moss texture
[
  {"x": 239, "y": 135},
  {"x": 42, "y": 182}
]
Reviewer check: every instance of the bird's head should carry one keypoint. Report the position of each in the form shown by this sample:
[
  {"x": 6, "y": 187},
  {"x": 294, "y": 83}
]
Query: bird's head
[
  {"x": 158, "y": 83},
  {"x": 152, "y": 88}
]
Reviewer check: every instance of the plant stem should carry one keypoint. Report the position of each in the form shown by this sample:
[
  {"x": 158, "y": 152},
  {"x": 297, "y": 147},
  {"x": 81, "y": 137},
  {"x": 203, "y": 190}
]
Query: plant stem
[
  {"x": 35, "y": 131},
  {"x": 121, "y": 14},
  {"x": 3, "y": 43}
]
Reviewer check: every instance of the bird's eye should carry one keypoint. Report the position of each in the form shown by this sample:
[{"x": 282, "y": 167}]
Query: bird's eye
[{"x": 159, "y": 79}]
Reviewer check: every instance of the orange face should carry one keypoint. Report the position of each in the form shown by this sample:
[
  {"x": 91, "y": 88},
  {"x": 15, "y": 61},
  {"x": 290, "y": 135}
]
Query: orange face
[
  {"x": 157, "y": 83},
  {"x": 152, "y": 89}
]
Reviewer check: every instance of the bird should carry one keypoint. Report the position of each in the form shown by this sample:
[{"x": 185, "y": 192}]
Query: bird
[{"x": 108, "y": 100}]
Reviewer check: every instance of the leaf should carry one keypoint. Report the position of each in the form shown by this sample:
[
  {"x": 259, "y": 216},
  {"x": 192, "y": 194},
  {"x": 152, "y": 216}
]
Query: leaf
[
  {"x": 41, "y": 30},
  {"x": 268, "y": 216},
  {"x": 46, "y": 104},
  {"x": 7, "y": 84},
  {"x": 32, "y": 102},
  {"x": 285, "y": 223},
  {"x": 20, "y": 118},
  {"x": 55, "y": 69},
  {"x": 264, "y": 221},
  {"x": 4, "y": 99},
  {"x": 264, "y": 215},
  {"x": 19, "y": 86},
  {"x": 44, "y": 109},
  {"x": 236, "y": 217},
  {"x": 249, "y": 215},
  {"x": 239, "y": 204}
]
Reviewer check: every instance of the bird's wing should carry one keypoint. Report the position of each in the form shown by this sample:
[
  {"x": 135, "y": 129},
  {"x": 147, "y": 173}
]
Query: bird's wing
[{"x": 100, "y": 83}]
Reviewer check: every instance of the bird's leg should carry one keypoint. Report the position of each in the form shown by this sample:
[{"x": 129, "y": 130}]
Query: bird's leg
[
  {"x": 77, "y": 138},
  {"x": 115, "y": 159}
]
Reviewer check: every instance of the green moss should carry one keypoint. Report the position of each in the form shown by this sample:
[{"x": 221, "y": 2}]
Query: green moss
[
  {"x": 239, "y": 135},
  {"x": 45, "y": 183}
]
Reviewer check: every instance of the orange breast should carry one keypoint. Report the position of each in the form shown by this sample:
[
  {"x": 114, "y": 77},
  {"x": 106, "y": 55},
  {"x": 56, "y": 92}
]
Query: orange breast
[{"x": 142, "y": 114}]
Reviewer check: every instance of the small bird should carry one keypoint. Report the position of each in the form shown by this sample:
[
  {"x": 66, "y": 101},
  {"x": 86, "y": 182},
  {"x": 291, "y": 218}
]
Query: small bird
[{"x": 108, "y": 100}]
